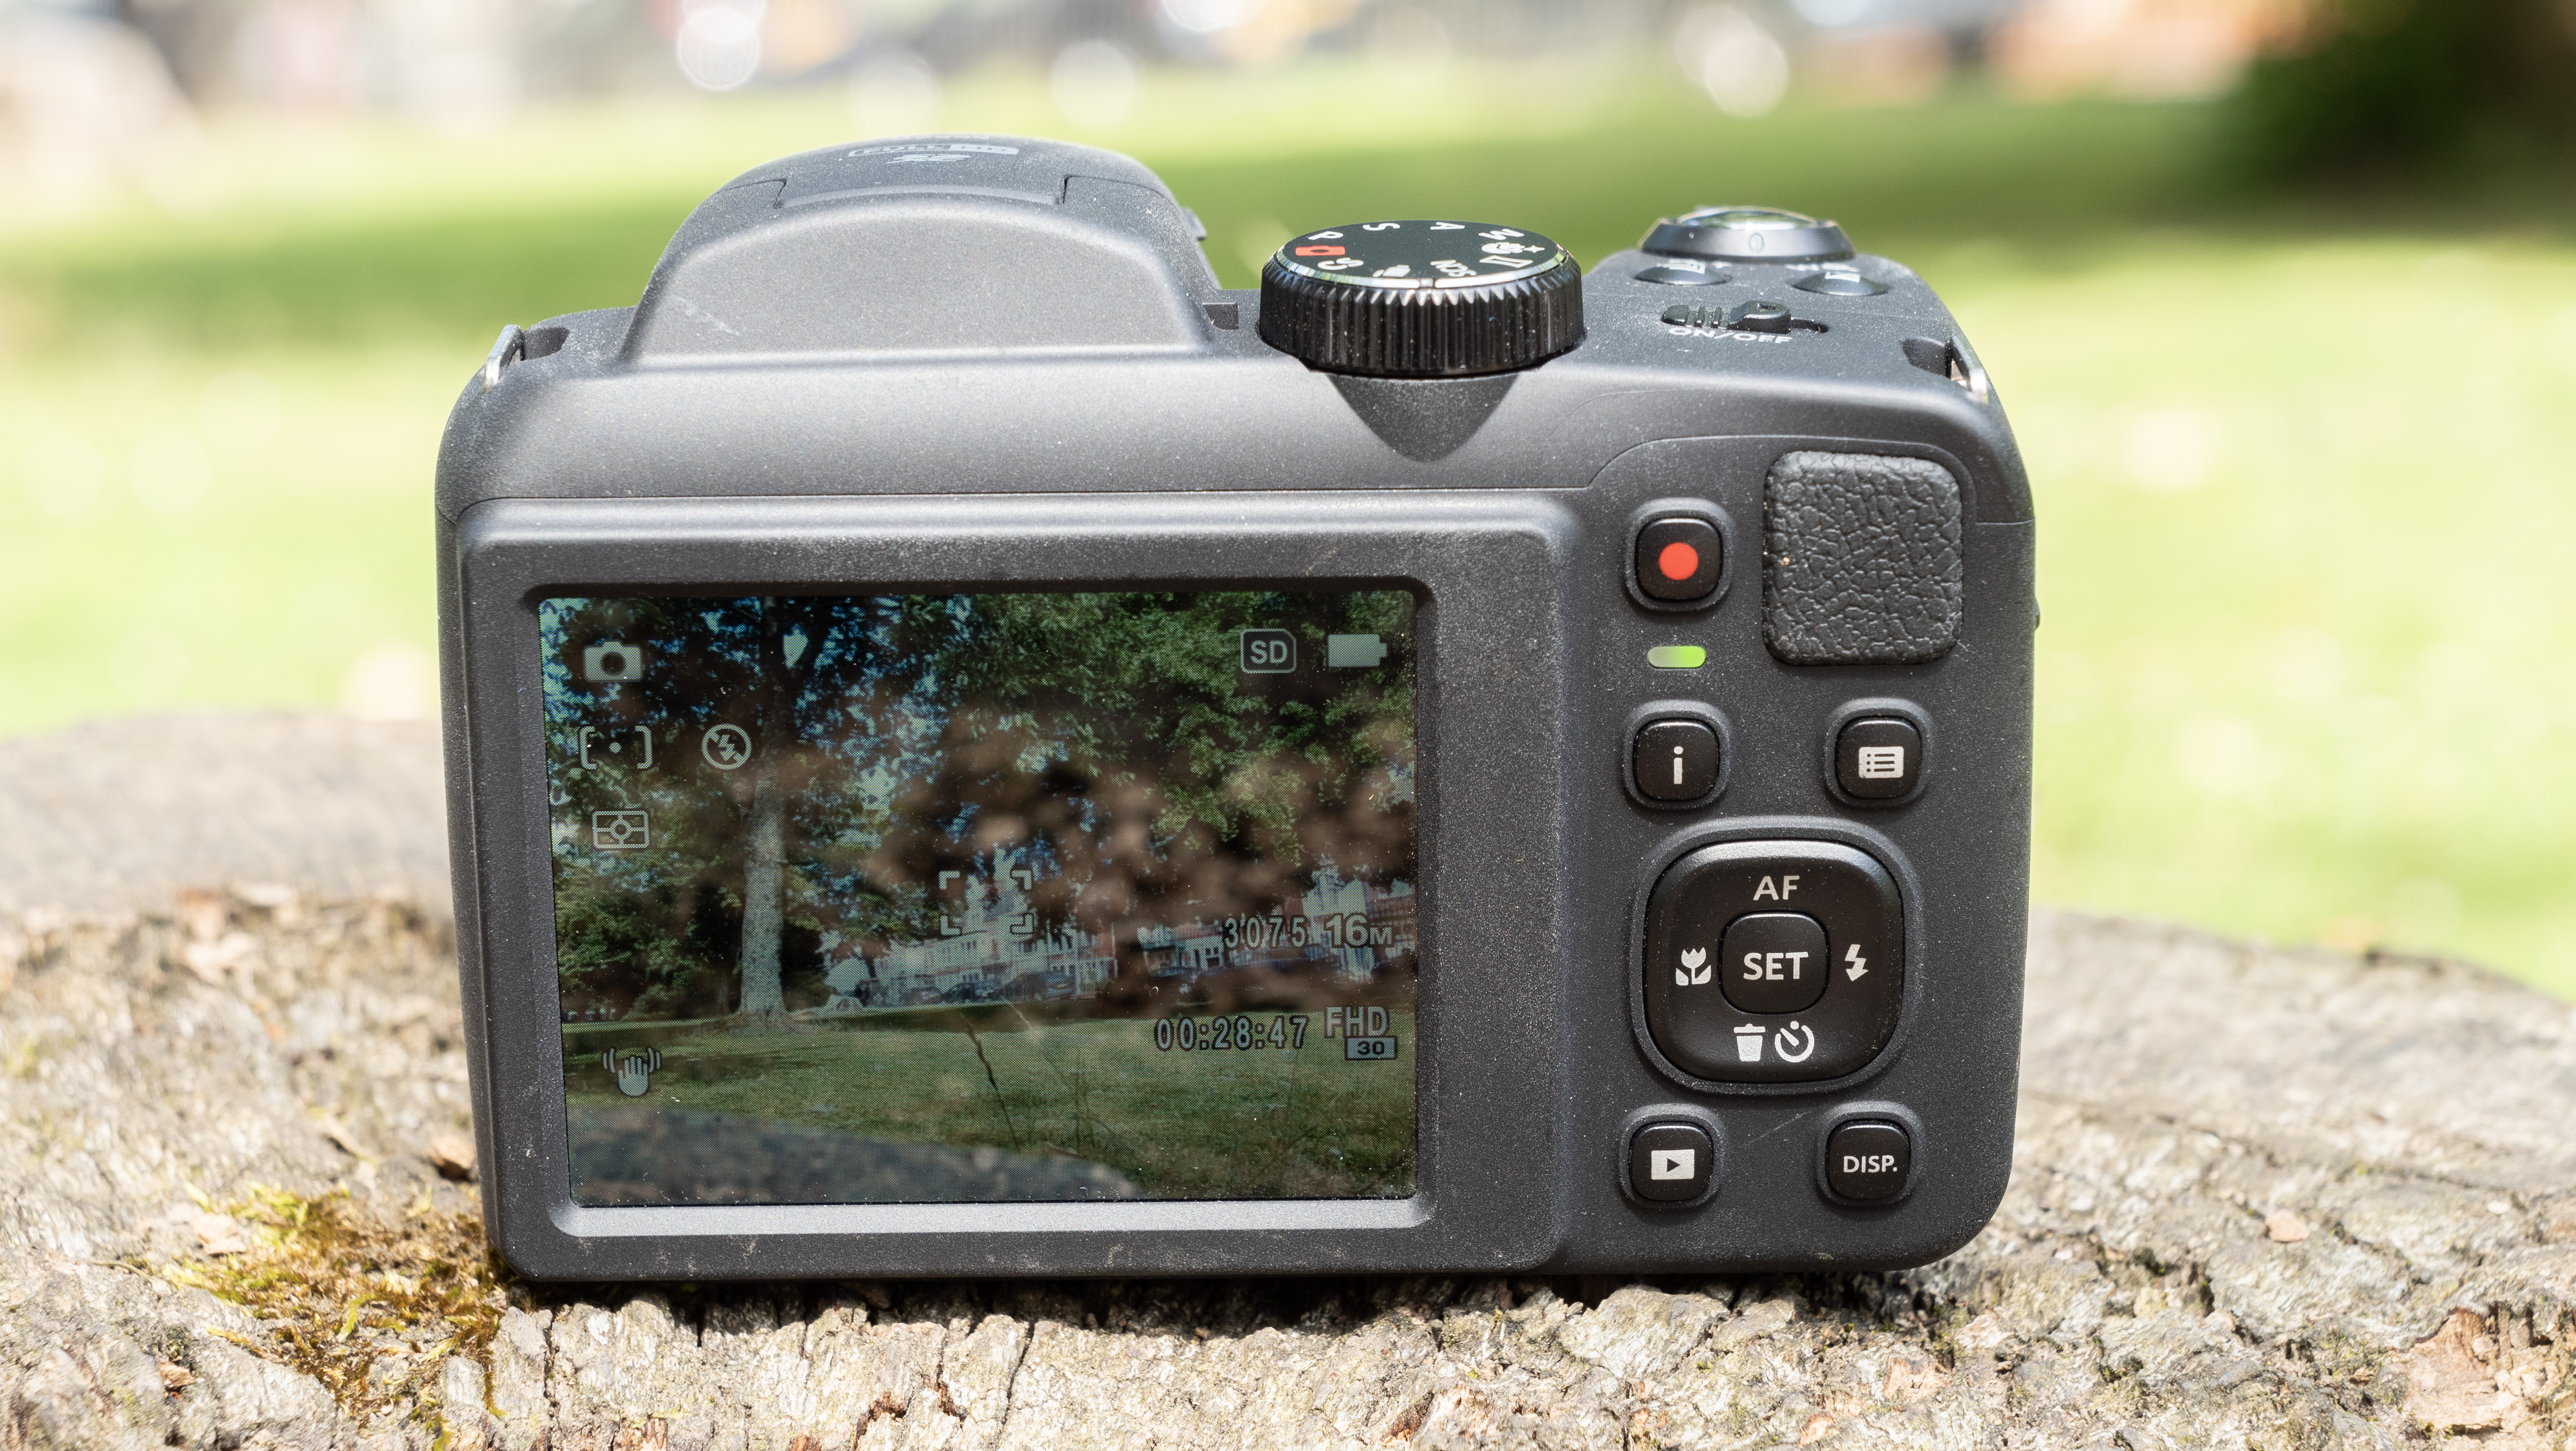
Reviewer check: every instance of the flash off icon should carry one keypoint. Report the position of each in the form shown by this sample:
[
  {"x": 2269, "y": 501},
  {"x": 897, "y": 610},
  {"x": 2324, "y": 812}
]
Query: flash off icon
[{"x": 1268, "y": 652}]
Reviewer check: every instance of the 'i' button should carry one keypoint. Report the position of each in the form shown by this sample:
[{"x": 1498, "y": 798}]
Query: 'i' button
[{"x": 1676, "y": 760}]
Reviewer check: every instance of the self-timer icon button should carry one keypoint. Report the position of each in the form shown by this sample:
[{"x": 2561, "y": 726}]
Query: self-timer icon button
[{"x": 1678, "y": 560}]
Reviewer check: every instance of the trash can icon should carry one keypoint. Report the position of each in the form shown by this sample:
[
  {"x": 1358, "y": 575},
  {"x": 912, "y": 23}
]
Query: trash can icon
[{"x": 1748, "y": 1042}]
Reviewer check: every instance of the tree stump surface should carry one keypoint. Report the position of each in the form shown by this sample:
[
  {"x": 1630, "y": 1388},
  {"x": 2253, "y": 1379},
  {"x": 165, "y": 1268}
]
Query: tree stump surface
[{"x": 2261, "y": 1198}]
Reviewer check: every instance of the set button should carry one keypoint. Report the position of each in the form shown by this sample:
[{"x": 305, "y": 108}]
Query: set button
[{"x": 1773, "y": 962}]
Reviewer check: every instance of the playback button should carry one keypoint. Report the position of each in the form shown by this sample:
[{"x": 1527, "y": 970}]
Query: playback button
[{"x": 1670, "y": 1163}]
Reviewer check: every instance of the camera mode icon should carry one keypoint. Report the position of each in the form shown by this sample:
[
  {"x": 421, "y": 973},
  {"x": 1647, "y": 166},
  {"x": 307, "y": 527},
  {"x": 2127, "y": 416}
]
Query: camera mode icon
[{"x": 612, "y": 662}]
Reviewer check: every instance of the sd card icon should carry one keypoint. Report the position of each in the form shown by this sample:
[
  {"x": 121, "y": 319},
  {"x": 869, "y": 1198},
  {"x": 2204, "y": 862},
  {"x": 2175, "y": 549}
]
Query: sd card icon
[{"x": 1268, "y": 652}]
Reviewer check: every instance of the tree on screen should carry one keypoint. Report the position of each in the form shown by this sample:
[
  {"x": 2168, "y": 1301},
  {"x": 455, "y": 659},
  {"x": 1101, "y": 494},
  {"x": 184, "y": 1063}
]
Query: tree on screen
[{"x": 766, "y": 714}]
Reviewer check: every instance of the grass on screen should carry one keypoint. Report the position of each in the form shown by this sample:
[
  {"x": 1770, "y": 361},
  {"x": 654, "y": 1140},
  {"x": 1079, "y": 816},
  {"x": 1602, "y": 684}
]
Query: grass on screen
[{"x": 1291, "y": 1122}]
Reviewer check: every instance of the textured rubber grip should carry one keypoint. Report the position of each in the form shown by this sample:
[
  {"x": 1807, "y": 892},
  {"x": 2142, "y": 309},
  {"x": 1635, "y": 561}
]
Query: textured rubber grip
[{"x": 1860, "y": 559}]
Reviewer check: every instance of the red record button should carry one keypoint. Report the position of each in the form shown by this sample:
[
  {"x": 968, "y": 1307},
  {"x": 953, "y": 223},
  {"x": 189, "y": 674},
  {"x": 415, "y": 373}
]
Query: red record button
[{"x": 1678, "y": 560}]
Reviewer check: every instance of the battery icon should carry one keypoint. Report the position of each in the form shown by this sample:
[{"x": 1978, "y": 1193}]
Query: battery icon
[{"x": 1353, "y": 652}]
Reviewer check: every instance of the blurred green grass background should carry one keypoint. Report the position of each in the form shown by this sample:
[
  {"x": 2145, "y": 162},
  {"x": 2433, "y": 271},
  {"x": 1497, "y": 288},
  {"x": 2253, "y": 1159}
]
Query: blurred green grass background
[{"x": 2301, "y": 462}]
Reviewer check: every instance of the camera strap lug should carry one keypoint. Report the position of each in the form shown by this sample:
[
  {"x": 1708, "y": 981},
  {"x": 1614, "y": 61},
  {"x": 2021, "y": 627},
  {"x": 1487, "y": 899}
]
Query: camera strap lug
[{"x": 511, "y": 348}]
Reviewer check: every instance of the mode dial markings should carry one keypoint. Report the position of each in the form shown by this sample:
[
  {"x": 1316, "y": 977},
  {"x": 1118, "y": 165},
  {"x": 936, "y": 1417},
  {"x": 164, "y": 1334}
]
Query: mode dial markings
[{"x": 1420, "y": 254}]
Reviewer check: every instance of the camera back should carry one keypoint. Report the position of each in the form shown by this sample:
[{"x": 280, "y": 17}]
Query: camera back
[{"x": 974, "y": 749}]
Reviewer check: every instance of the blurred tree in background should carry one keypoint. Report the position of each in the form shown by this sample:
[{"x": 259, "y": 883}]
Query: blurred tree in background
[{"x": 2370, "y": 84}]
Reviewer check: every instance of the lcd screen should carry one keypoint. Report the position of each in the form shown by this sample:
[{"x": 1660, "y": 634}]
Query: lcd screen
[{"x": 962, "y": 898}]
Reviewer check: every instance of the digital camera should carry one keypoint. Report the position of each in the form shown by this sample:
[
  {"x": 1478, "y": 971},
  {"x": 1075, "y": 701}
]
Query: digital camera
[{"x": 974, "y": 750}]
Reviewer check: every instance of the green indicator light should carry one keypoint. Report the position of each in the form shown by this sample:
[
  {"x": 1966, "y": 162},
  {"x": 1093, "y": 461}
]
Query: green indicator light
[{"x": 1676, "y": 657}]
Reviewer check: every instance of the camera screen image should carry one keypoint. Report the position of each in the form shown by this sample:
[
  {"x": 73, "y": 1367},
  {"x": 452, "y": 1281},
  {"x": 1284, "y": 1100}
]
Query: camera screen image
[{"x": 965, "y": 898}]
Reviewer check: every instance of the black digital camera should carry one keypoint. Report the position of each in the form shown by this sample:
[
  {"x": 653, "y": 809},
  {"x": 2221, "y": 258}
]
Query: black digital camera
[{"x": 974, "y": 750}]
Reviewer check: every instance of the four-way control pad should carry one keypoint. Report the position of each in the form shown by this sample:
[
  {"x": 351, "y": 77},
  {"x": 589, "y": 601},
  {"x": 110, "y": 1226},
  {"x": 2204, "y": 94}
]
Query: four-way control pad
[{"x": 1731, "y": 927}]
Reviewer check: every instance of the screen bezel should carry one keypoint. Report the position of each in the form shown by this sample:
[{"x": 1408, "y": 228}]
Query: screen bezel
[{"x": 1489, "y": 1030}]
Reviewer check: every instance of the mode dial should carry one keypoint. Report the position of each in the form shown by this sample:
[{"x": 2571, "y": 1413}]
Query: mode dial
[
  {"x": 1421, "y": 299},
  {"x": 1747, "y": 234}
]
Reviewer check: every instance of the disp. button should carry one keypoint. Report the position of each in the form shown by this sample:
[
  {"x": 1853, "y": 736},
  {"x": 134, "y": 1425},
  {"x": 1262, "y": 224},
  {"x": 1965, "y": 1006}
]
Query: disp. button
[{"x": 1867, "y": 1162}]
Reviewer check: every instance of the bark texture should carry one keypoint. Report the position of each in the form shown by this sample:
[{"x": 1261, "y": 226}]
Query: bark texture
[{"x": 2263, "y": 1198}]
